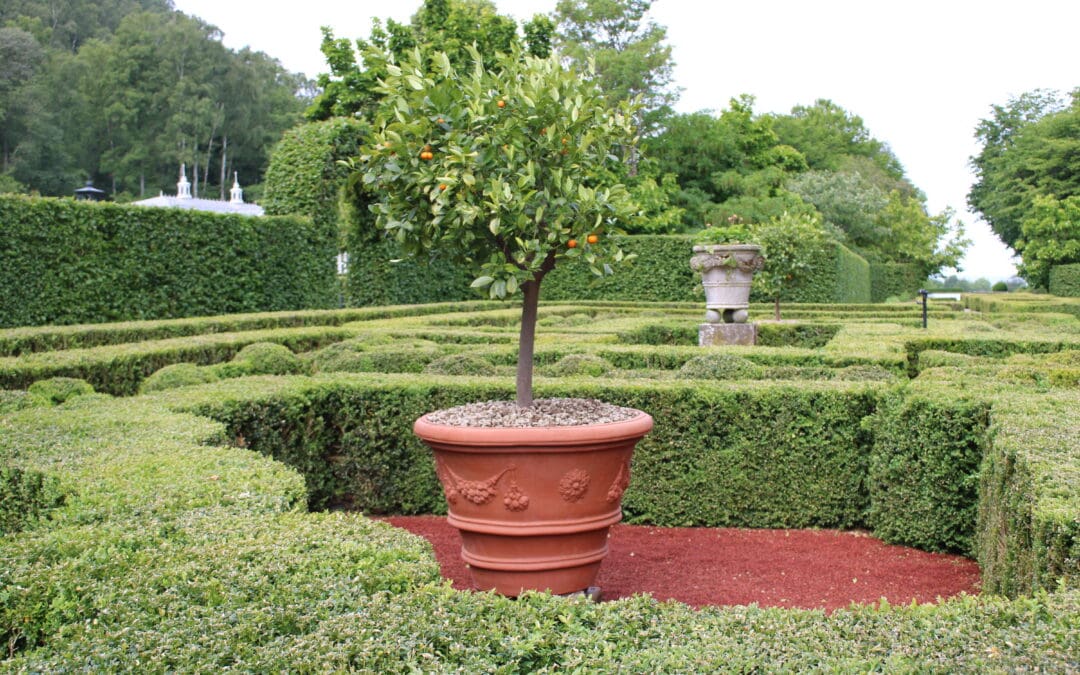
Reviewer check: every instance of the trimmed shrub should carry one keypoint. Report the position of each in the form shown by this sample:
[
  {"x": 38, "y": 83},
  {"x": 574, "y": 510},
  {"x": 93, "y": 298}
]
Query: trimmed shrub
[
  {"x": 178, "y": 375},
  {"x": 382, "y": 355},
  {"x": 263, "y": 358},
  {"x": 804, "y": 335},
  {"x": 304, "y": 176},
  {"x": 719, "y": 367},
  {"x": 65, "y": 262},
  {"x": 380, "y": 274},
  {"x": 25, "y": 496},
  {"x": 574, "y": 365},
  {"x": 460, "y": 364},
  {"x": 57, "y": 390},
  {"x": 661, "y": 272},
  {"x": 15, "y": 399},
  {"x": 1065, "y": 280}
]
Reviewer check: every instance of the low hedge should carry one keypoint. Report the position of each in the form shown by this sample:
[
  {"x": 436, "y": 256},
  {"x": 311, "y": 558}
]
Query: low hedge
[
  {"x": 1065, "y": 280},
  {"x": 18, "y": 341},
  {"x": 177, "y": 556},
  {"x": 66, "y": 262},
  {"x": 158, "y": 540},
  {"x": 1022, "y": 303},
  {"x": 120, "y": 369}
]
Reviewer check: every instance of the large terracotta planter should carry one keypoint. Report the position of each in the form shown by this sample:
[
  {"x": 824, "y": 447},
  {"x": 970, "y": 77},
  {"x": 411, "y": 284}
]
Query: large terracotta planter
[
  {"x": 726, "y": 273},
  {"x": 534, "y": 505}
]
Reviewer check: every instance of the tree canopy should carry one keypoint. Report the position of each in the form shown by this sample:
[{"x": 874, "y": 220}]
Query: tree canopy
[
  {"x": 627, "y": 50},
  {"x": 451, "y": 27},
  {"x": 495, "y": 168},
  {"x": 124, "y": 92},
  {"x": 1030, "y": 148}
]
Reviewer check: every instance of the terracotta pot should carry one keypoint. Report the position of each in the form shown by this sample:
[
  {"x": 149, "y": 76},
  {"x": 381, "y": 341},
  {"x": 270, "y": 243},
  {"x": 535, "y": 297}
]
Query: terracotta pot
[
  {"x": 726, "y": 272},
  {"x": 534, "y": 505}
]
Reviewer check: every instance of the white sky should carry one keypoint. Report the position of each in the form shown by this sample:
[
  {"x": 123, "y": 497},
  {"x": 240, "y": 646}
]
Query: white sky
[{"x": 920, "y": 73}]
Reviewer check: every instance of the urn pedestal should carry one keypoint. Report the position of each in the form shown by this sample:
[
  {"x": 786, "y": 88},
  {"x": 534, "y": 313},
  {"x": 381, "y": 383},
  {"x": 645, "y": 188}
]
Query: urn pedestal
[{"x": 726, "y": 273}]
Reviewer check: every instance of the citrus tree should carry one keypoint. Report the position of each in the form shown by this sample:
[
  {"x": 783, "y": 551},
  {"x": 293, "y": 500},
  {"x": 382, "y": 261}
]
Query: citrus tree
[{"x": 500, "y": 169}]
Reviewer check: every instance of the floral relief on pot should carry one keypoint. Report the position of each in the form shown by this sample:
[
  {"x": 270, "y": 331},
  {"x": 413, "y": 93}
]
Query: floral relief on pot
[
  {"x": 478, "y": 492},
  {"x": 574, "y": 485},
  {"x": 619, "y": 485}
]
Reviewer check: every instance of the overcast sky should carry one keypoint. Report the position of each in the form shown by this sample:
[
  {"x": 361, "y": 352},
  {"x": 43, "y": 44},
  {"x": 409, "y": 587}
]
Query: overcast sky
[{"x": 920, "y": 73}]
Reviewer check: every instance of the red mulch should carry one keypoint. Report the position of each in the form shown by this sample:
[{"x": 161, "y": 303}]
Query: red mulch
[{"x": 817, "y": 569}]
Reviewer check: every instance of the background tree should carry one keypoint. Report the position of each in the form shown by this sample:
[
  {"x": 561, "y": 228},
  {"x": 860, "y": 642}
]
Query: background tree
[
  {"x": 726, "y": 165},
  {"x": 628, "y": 50},
  {"x": 448, "y": 26},
  {"x": 495, "y": 169},
  {"x": 1050, "y": 236},
  {"x": 790, "y": 244},
  {"x": 122, "y": 91},
  {"x": 1031, "y": 148}
]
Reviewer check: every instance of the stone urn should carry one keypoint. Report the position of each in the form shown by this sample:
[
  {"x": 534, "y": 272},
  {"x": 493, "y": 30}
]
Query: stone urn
[
  {"x": 726, "y": 272},
  {"x": 534, "y": 504}
]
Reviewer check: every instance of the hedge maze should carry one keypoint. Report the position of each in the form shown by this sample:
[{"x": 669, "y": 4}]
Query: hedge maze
[{"x": 190, "y": 495}]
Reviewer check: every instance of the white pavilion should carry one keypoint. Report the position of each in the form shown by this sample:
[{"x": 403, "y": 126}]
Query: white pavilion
[{"x": 184, "y": 200}]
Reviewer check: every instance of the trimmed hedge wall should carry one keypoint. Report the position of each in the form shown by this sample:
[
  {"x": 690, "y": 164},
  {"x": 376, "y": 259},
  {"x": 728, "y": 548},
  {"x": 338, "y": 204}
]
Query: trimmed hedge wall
[
  {"x": 899, "y": 280},
  {"x": 304, "y": 176},
  {"x": 65, "y": 262},
  {"x": 660, "y": 273},
  {"x": 1065, "y": 280},
  {"x": 353, "y": 443},
  {"x": 376, "y": 279}
]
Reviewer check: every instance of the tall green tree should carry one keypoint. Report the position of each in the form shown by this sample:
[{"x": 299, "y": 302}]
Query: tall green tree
[
  {"x": 451, "y": 27},
  {"x": 1050, "y": 236},
  {"x": 1030, "y": 148},
  {"x": 628, "y": 49}
]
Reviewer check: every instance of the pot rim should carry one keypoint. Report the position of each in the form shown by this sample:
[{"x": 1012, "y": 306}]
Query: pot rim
[
  {"x": 635, "y": 427},
  {"x": 708, "y": 248}
]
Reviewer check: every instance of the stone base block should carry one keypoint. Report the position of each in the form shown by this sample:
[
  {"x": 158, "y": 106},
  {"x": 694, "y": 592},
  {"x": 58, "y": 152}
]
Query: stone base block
[{"x": 714, "y": 334}]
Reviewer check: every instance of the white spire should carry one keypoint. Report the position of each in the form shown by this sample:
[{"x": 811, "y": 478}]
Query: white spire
[
  {"x": 236, "y": 195},
  {"x": 183, "y": 187}
]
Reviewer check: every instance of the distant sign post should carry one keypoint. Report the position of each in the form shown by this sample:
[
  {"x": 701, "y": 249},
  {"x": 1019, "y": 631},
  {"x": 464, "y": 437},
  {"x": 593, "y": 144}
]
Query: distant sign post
[{"x": 924, "y": 293}]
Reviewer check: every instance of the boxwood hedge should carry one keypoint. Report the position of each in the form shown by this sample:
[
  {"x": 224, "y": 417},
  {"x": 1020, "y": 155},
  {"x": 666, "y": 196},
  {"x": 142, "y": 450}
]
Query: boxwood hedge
[
  {"x": 174, "y": 530},
  {"x": 65, "y": 262}
]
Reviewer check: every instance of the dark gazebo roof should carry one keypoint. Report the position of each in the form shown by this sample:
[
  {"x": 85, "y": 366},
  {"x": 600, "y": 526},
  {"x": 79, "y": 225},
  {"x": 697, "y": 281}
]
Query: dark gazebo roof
[{"x": 90, "y": 192}]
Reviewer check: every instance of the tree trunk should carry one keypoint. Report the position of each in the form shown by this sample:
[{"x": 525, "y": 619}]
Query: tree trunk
[
  {"x": 776, "y": 309},
  {"x": 195, "y": 176},
  {"x": 527, "y": 342},
  {"x": 224, "y": 152}
]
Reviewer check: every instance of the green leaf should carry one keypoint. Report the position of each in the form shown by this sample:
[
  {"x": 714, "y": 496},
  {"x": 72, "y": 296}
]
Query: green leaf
[
  {"x": 481, "y": 282},
  {"x": 415, "y": 82},
  {"x": 494, "y": 226}
]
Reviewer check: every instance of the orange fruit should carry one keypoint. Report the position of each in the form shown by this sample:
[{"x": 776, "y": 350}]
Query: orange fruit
[
  {"x": 592, "y": 239},
  {"x": 572, "y": 243},
  {"x": 501, "y": 103},
  {"x": 425, "y": 155},
  {"x": 442, "y": 187},
  {"x": 440, "y": 121}
]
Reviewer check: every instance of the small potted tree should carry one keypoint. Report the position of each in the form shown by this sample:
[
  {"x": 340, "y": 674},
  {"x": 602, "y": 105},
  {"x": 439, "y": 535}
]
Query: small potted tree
[
  {"x": 501, "y": 170},
  {"x": 727, "y": 259}
]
